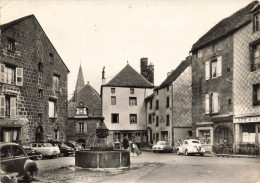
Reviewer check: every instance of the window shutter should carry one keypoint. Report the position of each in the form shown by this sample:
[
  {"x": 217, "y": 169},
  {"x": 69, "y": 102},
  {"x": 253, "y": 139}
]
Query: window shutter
[
  {"x": 12, "y": 107},
  {"x": 219, "y": 66},
  {"x": 2, "y": 106},
  {"x": 19, "y": 76},
  {"x": 85, "y": 127},
  {"x": 207, "y": 103},
  {"x": 77, "y": 127},
  {"x": 215, "y": 103},
  {"x": 207, "y": 70},
  {"x": 2, "y": 73}
]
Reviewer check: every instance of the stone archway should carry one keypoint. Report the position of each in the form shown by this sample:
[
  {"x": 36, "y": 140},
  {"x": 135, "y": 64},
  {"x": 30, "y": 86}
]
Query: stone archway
[
  {"x": 39, "y": 134},
  {"x": 223, "y": 135}
]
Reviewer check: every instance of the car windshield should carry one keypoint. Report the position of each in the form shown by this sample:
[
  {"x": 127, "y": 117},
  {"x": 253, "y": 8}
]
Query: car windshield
[
  {"x": 160, "y": 143},
  {"x": 195, "y": 142},
  {"x": 47, "y": 145}
]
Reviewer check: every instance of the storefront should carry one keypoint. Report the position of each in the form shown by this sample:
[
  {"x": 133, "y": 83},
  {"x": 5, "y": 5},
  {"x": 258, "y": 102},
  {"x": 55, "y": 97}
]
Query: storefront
[{"x": 247, "y": 134}]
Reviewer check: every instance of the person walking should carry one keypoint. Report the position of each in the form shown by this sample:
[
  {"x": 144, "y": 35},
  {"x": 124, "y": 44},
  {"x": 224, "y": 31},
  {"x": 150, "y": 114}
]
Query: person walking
[{"x": 125, "y": 143}]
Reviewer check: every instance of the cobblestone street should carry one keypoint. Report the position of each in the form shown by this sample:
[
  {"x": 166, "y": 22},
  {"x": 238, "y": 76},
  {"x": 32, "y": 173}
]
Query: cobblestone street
[{"x": 150, "y": 167}]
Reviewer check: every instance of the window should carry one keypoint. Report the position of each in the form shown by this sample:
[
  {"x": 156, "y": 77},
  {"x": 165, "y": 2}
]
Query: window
[
  {"x": 10, "y": 134},
  {"x": 133, "y": 118},
  {"x": 157, "y": 104},
  {"x": 214, "y": 48},
  {"x": 213, "y": 68},
  {"x": 10, "y": 44},
  {"x": 168, "y": 102},
  {"x": 138, "y": 134},
  {"x": 255, "y": 63},
  {"x": 212, "y": 105},
  {"x": 204, "y": 136},
  {"x": 82, "y": 109},
  {"x": 256, "y": 94},
  {"x": 6, "y": 152},
  {"x": 190, "y": 133},
  {"x": 115, "y": 118},
  {"x": 51, "y": 58},
  {"x": 81, "y": 127},
  {"x": 132, "y": 90},
  {"x": 199, "y": 54},
  {"x": 40, "y": 67},
  {"x": 40, "y": 93},
  {"x": 132, "y": 101},
  {"x": 151, "y": 104},
  {"x": 52, "y": 109},
  {"x": 150, "y": 119},
  {"x": 113, "y": 90},
  {"x": 157, "y": 121},
  {"x": 8, "y": 106},
  {"x": 157, "y": 92},
  {"x": 55, "y": 83},
  {"x": 256, "y": 22},
  {"x": 11, "y": 75},
  {"x": 144, "y": 134},
  {"x": 167, "y": 120},
  {"x": 40, "y": 118},
  {"x": 113, "y": 100},
  {"x": 57, "y": 134},
  {"x": 168, "y": 88}
]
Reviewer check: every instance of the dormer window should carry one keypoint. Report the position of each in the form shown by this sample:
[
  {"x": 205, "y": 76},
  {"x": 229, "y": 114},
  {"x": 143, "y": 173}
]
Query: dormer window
[
  {"x": 82, "y": 109},
  {"x": 256, "y": 22}
]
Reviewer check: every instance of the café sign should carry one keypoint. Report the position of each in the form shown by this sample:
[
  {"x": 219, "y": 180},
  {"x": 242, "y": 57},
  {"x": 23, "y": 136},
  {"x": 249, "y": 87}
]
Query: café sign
[{"x": 247, "y": 119}]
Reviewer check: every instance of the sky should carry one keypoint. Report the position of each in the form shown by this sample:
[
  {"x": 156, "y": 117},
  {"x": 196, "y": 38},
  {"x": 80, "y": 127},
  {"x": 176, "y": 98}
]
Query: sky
[{"x": 98, "y": 33}]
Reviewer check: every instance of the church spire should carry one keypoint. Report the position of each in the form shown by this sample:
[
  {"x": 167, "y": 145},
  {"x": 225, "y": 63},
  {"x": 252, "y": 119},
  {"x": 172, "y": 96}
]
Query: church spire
[{"x": 80, "y": 81}]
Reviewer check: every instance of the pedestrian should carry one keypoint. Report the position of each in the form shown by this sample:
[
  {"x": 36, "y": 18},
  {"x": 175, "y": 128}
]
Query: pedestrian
[{"x": 125, "y": 143}]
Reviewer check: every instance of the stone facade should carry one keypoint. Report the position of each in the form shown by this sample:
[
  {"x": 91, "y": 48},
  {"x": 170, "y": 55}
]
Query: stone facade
[
  {"x": 26, "y": 84},
  {"x": 209, "y": 112}
]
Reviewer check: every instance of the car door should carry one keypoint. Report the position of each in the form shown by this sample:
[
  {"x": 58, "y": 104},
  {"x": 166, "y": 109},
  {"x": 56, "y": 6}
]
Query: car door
[
  {"x": 20, "y": 157},
  {"x": 7, "y": 160}
]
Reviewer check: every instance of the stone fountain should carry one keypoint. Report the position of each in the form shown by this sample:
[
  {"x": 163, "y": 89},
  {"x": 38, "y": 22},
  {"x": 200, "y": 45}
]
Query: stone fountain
[{"x": 101, "y": 153}]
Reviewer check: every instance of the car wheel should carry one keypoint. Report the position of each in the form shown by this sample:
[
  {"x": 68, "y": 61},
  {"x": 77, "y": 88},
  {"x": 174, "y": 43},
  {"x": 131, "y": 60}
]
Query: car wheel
[
  {"x": 39, "y": 157},
  {"x": 154, "y": 151},
  {"x": 202, "y": 154},
  {"x": 178, "y": 152},
  {"x": 29, "y": 175},
  {"x": 186, "y": 152}
]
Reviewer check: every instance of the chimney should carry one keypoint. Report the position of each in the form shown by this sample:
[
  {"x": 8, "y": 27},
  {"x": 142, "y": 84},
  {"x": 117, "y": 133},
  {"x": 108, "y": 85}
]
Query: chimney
[
  {"x": 147, "y": 71},
  {"x": 103, "y": 76}
]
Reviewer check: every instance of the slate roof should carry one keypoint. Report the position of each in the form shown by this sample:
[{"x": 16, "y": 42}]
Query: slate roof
[
  {"x": 226, "y": 26},
  {"x": 176, "y": 73},
  {"x": 8, "y": 25},
  {"x": 89, "y": 96},
  {"x": 128, "y": 77}
]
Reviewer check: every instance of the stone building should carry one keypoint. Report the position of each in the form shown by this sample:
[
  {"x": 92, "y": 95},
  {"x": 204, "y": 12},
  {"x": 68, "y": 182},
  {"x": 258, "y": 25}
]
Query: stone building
[
  {"x": 84, "y": 113},
  {"x": 169, "y": 107},
  {"x": 123, "y": 105},
  {"x": 213, "y": 71},
  {"x": 246, "y": 80},
  {"x": 33, "y": 84}
]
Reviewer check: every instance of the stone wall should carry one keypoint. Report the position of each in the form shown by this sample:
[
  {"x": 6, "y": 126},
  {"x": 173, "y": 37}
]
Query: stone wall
[{"x": 33, "y": 46}]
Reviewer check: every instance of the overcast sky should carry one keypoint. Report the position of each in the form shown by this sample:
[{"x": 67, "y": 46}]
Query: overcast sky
[{"x": 109, "y": 33}]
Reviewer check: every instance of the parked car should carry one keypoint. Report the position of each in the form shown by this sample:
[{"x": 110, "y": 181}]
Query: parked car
[
  {"x": 74, "y": 145},
  {"x": 64, "y": 149},
  {"x": 190, "y": 146},
  {"x": 33, "y": 154},
  {"x": 46, "y": 149},
  {"x": 15, "y": 159},
  {"x": 162, "y": 146}
]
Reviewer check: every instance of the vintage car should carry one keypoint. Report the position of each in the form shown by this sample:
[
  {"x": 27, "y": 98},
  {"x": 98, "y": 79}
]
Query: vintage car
[
  {"x": 64, "y": 149},
  {"x": 46, "y": 149},
  {"x": 162, "y": 146},
  {"x": 15, "y": 159},
  {"x": 190, "y": 146},
  {"x": 76, "y": 146},
  {"x": 33, "y": 154}
]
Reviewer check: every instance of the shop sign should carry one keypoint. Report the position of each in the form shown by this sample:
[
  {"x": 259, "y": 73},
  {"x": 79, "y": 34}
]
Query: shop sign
[{"x": 247, "y": 119}]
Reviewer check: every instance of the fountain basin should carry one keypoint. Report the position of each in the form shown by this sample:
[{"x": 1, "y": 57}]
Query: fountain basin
[{"x": 102, "y": 159}]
